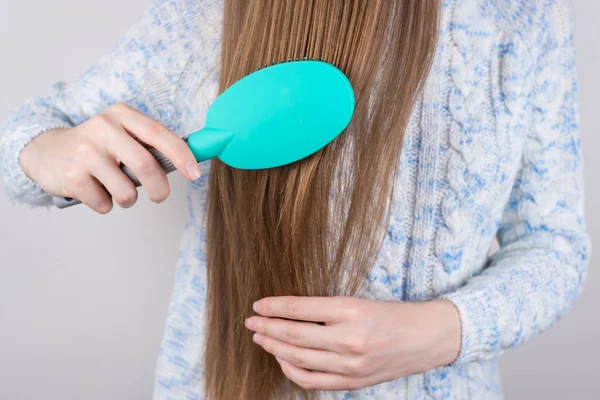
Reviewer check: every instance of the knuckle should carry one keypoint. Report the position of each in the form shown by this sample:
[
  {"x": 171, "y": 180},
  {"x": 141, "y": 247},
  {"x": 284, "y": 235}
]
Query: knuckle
[
  {"x": 355, "y": 345},
  {"x": 160, "y": 194},
  {"x": 126, "y": 197},
  {"x": 76, "y": 179},
  {"x": 286, "y": 371},
  {"x": 265, "y": 306},
  {"x": 70, "y": 173},
  {"x": 156, "y": 129},
  {"x": 356, "y": 384},
  {"x": 84, "y": 148},
  {"x": 354, "y": 367},
  {"x": 293, "y": 308},
  {"x": 145, "y": 164},
  {"x": 268, "y": 345},
  {"x": 263, "y": 327},
  {"x": 120, "y": 107},
  {"x": 74, "y": 176},
  {"x": 291, "y": 336},
  {"x": 351, "y": 311},
  {"x": 103, "y": 121},
  {"x": 104, "y": 207},
  {"x": 305, "y": 384},
  {"x": 298, "y": 360}
]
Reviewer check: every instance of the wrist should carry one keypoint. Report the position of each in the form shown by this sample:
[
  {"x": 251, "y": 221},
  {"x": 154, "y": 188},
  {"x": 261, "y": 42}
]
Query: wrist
[
  {"x": 31, "y": 153},
  {"x": 446, "y": 332},
  {"x": 27, "y": 154}
]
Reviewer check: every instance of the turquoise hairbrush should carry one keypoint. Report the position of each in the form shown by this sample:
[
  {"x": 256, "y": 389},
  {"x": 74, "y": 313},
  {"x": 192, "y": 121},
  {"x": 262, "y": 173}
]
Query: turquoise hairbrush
[{"x": 273, "y": 117}]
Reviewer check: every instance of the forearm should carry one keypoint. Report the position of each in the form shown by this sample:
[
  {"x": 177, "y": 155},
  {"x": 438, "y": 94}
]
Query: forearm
[
  {"x": 443, "y": 332},
  {"x": 539, "y": 270},
  {"x": 28, "y": 154},
  {"x": 523, "y": 292}
]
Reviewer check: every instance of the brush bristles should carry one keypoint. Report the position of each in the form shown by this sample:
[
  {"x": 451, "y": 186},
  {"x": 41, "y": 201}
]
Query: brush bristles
[{"x": 284, "y": 62}]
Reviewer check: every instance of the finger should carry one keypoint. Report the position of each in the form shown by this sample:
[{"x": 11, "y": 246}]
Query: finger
[
  {"x": 162, "y": 138},
  {"x": 316, "y": 309},
  {"x": 319, "y": 360},
  {"x": 301, "y": 334},
  {"x": 91, "y": 193},
  {"x": 315, "y": 380},
  {"x": 144, "y": 166},
  {"x": 105, "y": 169}
]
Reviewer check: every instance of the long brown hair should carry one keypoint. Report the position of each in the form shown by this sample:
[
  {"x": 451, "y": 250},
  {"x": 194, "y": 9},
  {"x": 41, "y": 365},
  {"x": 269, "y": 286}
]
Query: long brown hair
[{"x": 315, "y": 227}]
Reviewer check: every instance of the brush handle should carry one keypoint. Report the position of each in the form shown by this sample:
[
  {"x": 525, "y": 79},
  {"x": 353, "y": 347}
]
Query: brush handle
[{"x": 164, "y": 162}]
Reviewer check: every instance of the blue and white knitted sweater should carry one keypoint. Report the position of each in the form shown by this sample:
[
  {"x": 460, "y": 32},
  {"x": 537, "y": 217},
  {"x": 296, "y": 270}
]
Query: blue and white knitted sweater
[{"x": 492, "y": 151}]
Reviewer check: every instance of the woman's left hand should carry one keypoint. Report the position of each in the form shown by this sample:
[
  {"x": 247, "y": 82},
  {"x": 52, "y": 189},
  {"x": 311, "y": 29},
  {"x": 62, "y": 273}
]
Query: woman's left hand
[{"x": 362, "y": 342}]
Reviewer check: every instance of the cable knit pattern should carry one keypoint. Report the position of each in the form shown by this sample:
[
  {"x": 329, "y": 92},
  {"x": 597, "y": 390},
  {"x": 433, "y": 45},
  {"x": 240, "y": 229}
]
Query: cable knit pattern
[
  {"x": 492, "y": 151},
  {"x": 472, "y": 132}
]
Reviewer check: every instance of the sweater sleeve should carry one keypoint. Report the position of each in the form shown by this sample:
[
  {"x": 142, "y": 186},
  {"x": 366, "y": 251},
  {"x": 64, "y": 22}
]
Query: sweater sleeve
[
  {"x": 142, "y": 70},
  {"x": 538, "y": 271}
]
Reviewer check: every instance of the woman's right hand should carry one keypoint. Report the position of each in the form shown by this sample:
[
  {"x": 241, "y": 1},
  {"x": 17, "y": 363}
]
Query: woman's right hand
[{"x": 77, "y": 162}]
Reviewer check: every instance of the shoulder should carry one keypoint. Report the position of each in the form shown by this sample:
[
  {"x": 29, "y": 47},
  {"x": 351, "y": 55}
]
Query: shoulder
[
  {"x": 181, "y": 23},
  {"x": 181, "y": 40},
  {"x": 532, "y": 22},
  {"x": 539, "y": 24},
  {"x": 181, "y": 9},
  {"x": 529, "y": 15},
  {"x": 520, "y": 40}
]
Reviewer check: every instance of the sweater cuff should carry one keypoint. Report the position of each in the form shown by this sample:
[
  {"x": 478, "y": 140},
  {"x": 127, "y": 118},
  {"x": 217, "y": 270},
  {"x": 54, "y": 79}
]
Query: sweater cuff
[
  {"x": 480, "y": 338},
  {"x": 18, "y": 185}
]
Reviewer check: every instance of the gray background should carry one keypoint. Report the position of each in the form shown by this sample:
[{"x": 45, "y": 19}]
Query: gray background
[{"x": 83, "y": 297}]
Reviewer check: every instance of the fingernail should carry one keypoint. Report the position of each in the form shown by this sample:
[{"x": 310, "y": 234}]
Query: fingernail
[
  {"x": 250, "y": 324},
  {"x": 256, "y": 306},
  {"x": 257, "y": 338},
  {"x": 193, "y": 170}
]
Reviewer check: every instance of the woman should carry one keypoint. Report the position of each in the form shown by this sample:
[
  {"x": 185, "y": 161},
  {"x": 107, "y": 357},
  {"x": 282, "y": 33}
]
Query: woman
[{"x": 466, "y": 130}]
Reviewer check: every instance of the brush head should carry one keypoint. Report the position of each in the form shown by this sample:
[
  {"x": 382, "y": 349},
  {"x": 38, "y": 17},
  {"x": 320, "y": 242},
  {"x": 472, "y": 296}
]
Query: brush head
[{"x": 276, "y": 116}]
